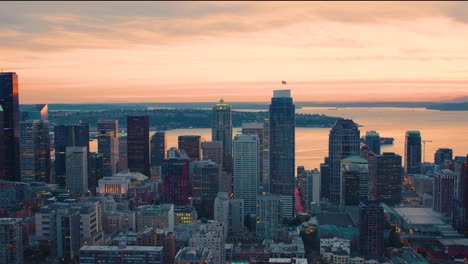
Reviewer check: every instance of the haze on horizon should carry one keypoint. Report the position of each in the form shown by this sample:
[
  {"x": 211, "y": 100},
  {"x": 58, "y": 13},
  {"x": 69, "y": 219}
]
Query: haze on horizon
[{"x": 91, "y": 52}]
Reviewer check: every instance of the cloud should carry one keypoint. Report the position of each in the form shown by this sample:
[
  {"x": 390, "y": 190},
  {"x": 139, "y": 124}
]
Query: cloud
[{"x": 49, "y": 26}]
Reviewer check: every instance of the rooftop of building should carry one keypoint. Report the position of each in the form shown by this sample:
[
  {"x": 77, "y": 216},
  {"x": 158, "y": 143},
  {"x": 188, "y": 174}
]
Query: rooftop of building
[
  {"x": 419, "y": 216},
  {"x": 413, "y": 132},
  {"x": 193, "y": 254},
  {"x": 252, "y": 125},
  {"x": 9, "y": 221},
  {"x": 354, "y": 159},
  {"x": 122, "y": 248},
  {"x": 133, "y": 176},
  {"x": 454, "y": 242},
  {"x": 153, "y": 207},
  {"x": 288, "y": 260}
]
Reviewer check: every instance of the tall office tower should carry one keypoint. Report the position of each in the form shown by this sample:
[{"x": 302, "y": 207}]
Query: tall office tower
[
  {"x": 176, "y": 179},
  {"x": 388, "y": 177},
  {"x": 158, "y": 148},
  {"x": 343, "y": 142},
  {"x": 245, "y": 157},
  {"x": 443, "y": 192},
  {"x": 10, "y": 168},
  {"x": 371, "y": 229},
  {"x": 269, "y": 219},
  {"x": 221, "y": 126},
  {"x": 210, "y": 234},
  {"x": 64, "y": 233},
  {"x": 123, "y": 157},
  {"x": 2, "y": 147},
  {"x": 263, "y": 149},
  {"x": 282, "y": 149},
  {"x": 266, "y": 155},
  {"x": 191, "y": 145},
  {"x": 35, "y": 151},
  {"x": 77, "y": 169},
  {"x": 213, "y": 150},
  {"x": 138, "y": 144},
  {"x": 68, "y": 136},
  {"x": 221, "y": 211},
  {"x": 373, "y": 141},
  {"x": 95, "y": 170},
  {"x": 412, "y": 152},
  {"x": 354, "y": 180},
  {"x": 11, "y": 241},
  {"x": 325, "y": 179},
  {"x": 236, "y": 216},
  {"x": 204, "y": 182},
  {"x": 442, "y": 155},
  {"x": 462, "y": 222},
  {"x": 308, "y": 184},
  {"x": 371, "y": 158},
  {"x": 108, "y": 145}
]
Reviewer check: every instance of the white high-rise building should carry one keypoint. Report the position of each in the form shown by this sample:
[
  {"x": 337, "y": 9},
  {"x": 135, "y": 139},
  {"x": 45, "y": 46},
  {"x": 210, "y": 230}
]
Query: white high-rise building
[
  {"x": 77, "y": 169},
  {"x": 245, "y": 156}
]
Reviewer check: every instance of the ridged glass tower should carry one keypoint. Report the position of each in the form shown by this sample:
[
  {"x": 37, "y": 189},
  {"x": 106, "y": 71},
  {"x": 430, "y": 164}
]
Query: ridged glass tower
[
  {"x": 282, "y": 149},
  {"x": 343, "y": 142}
]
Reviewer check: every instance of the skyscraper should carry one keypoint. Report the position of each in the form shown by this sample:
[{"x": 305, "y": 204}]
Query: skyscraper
[
  {"x": 11, "y": 241},
  {"x": 175, "y": 173},
  {"x": 108, "y": 145},
  {"x": 95, "y": 170},
  {"x": 343, "y": 142},
  {"x": 245, "y": 160},
  {"x": 221, "y": 126},
  {"x": 354, "y": 180},
  {"x": 462, "y": 221},
  {"x": 35, "y": 146},
  {"x": 443, "y": 154},
  {"x": 213, "y": 150},
  {"x": 373, "y": 141},
  {"x": 68, "y": 136},
  {"x": 77, "y": 169},
  {"x": 123, "y": 157},
  {"x": 412, "y": 152},
  {"x": 10, "y": 168},
  {"x": 138, "y": 144},
  {"x": 269, "y": 219},
  {"x": 388, "y": 178},
  {"x": 282, "y": 149},
  {"x": 371, "y": 229},
  {"x": 325, "y": 179},
  {"x": 158, "y": 148},
  {"x": 258, "y": 129},
  {"x": 191, "y": 145},
  {"x": 204, "y": 183},
  {"x": 443, "y": 192}
]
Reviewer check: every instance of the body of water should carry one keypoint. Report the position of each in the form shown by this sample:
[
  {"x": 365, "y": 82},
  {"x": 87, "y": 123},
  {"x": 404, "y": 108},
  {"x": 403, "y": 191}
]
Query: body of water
[{"x": 446, "y": 129}]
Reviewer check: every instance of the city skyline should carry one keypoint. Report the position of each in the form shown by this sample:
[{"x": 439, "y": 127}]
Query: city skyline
[{"x": 202, "y": 51}]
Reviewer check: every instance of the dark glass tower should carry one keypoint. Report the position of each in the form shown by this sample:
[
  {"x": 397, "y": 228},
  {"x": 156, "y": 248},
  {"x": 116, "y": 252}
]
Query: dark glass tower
[
  {"x": 413, "y": 152},
  {"x": 343, "y": 143},
  {"x": 191, "y": 145},
  {"x": 176, "y": 177},
  {"x": 282, "y": 149},
  {"x": 443, "y": 154},
  {"x": 388, "y": 178},
  {"x": 158, "y": 148},
  {"x": 462, "y": 215},
  {"x": 138, "y": 144},
  {"x": 221, "y": 126},
  {"x": 68, "y": 136},
  {"x": 108, "y": 145},
  {"x": 371, "y": 229},
  {"x": 373, "y": 141},
  {"x": 10, "y": 168}
]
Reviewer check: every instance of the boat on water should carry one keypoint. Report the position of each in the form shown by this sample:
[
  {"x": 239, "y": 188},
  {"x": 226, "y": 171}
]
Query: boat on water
[
  {"x": 386, "y": 141},
  {"x": 383, "y": 140}
]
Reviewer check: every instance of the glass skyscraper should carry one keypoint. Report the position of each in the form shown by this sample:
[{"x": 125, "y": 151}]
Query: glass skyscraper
[
  {"x": 221, "y": 128},
  {"x": 343, "y": 143},
  {"x": 282, "y": 149},
  {"x": 10, "y": 158},
  {"x": 138, "y": 144},
  {"x": 413, "y": 152}
]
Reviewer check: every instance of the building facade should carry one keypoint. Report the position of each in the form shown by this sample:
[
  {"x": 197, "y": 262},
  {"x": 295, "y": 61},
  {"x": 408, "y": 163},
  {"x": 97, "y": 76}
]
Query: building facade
[
  {"x": 77, "y": 169},
  {"x": 282, "y": 149},
  {"x": 413, "y": 152},
  {"x": 191, "y": 145},
  {"x": 138, "y": 144}
]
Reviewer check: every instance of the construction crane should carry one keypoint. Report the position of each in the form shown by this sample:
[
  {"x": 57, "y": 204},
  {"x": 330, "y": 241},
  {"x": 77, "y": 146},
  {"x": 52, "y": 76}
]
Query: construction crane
[{"x": 424, "y": 149}]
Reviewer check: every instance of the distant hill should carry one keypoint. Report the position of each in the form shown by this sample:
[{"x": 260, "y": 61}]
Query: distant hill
[{"x": 449, "y": 106}]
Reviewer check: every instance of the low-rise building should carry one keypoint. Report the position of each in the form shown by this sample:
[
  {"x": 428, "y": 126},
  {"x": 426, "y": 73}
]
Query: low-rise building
[{"x": 121, "y": 254}]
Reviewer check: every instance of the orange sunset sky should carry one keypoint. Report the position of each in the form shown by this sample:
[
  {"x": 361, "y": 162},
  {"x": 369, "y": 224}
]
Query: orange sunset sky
[{"x": 200, "y": 51}]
